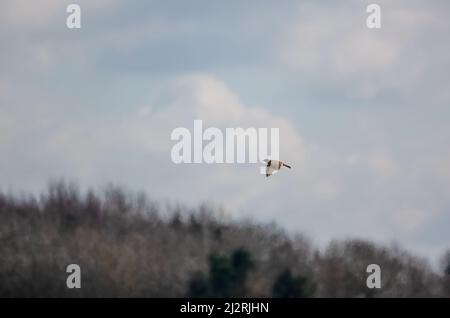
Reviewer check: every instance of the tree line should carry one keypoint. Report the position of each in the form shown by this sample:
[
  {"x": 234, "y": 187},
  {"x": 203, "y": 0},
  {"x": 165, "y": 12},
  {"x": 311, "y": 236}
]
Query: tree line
[{"x": 130, "y": 246}]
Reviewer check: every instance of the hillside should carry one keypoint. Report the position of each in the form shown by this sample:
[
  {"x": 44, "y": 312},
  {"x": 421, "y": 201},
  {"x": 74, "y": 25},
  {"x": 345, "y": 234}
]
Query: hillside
[{"x": 128, "y": 246}]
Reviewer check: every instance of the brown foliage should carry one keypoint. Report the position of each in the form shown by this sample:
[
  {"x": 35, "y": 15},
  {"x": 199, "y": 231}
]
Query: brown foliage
[{"x": 129, "y": 246}]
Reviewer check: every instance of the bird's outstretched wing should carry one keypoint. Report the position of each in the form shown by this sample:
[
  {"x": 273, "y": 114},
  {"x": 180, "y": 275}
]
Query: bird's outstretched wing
[{"x": 269, "y": 171}]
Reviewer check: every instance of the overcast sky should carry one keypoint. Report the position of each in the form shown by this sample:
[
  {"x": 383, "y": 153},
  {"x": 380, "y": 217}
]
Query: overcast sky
[{"x": 363, "y": 114}]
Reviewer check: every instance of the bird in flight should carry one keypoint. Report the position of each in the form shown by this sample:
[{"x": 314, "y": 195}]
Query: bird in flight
[{"x": 274, "y": 165}]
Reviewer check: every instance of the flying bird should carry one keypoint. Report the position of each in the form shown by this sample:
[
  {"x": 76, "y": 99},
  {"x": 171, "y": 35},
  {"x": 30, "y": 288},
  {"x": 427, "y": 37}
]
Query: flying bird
[{"x": 274, "y": 165}]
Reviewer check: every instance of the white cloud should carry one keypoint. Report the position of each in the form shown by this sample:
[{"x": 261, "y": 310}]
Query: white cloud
[
  {"x": 334, "y": 45},
  {"x": 88, "y": 149},
  {"x": 213, "y": 102}
]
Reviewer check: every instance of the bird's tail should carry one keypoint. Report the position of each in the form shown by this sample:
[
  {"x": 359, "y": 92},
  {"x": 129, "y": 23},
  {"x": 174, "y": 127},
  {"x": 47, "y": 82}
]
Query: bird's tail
[{"x": 287, "y": 166}]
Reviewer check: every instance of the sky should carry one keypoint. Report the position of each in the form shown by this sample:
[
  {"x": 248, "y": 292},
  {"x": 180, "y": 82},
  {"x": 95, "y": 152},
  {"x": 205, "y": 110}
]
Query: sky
[{"x": 363, "y": 113}]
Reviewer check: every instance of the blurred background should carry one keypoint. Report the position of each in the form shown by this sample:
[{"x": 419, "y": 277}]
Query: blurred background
[{"x": 363, "y": 117}]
